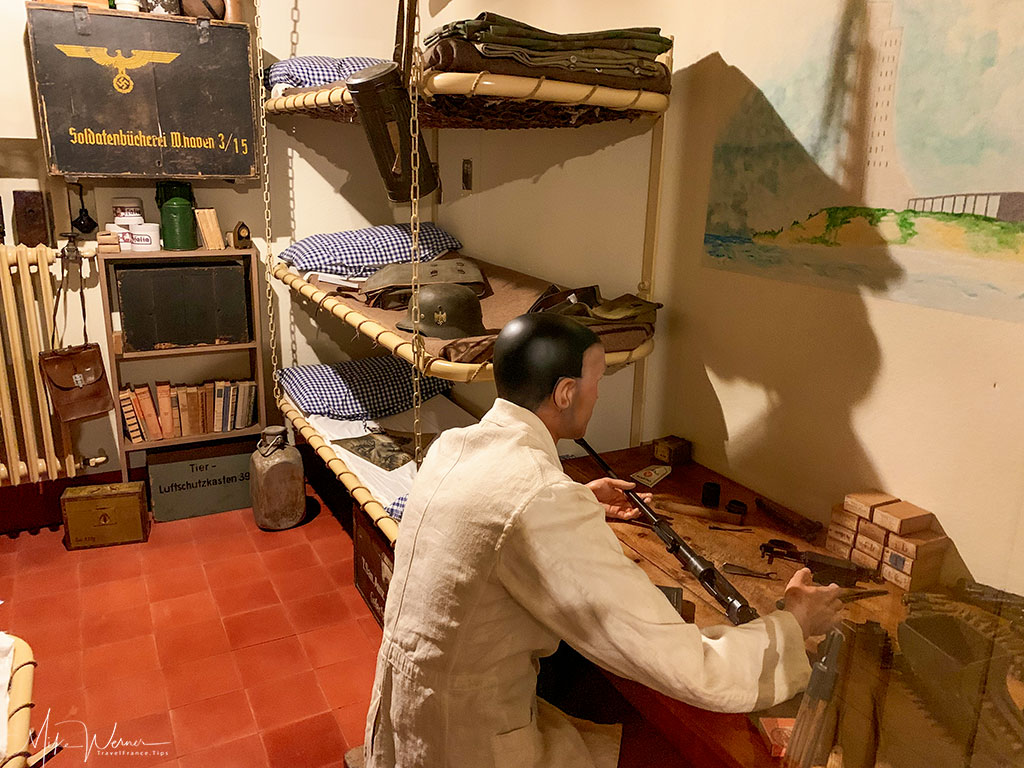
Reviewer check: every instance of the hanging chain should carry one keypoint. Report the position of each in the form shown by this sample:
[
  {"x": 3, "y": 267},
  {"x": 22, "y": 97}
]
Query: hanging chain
[
  {"x": 418, "y": 351},
  {"x": 265, "y": 186}
]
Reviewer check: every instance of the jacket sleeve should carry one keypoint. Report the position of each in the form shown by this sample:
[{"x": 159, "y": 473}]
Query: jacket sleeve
[{"x": 561, "y": 561}]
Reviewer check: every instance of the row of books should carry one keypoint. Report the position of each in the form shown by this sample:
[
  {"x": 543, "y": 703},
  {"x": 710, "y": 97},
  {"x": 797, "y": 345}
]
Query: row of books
[{"x": 179, "y": 411}]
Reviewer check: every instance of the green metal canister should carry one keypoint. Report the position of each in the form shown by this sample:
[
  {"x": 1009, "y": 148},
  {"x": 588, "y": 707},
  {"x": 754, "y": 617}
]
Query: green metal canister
[{"x": 178, "y": 222}]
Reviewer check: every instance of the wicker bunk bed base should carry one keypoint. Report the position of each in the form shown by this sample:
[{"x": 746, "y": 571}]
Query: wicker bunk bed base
[
  {"x": 402, "y": 347},
  {"x": 496, "y": 102},
  {"x": 366, "y": 500},
  {"x": 19, "y": 711}
]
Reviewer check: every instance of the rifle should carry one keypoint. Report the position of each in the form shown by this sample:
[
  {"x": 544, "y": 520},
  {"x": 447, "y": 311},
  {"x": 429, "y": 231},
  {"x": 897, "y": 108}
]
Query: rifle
[{"x": 736, "y": 607}]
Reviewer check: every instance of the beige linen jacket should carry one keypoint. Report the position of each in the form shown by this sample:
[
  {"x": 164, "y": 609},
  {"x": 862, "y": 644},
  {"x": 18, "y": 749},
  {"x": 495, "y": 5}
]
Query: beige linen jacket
[{"x": 500, "y": 556}]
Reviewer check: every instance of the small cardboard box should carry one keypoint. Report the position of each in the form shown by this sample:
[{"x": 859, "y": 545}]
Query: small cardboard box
[
  {"x": 838, "y": 548},
  {"x": 839, "y": 533},
  {"x": 672, "y": 450},
  {"x": 911, "y": 582},
  {"x": 920, "y": 544},
  {"x": 870, "y": 530},
  {"x": 902, "y": 517},
  {"x": 869, "y": 547},
  {"x": 864, "y": 560},
  {"x": 104, "y": 515},
  {"x": 862, "y": 504},
  {"x": 846, "y": 519}
]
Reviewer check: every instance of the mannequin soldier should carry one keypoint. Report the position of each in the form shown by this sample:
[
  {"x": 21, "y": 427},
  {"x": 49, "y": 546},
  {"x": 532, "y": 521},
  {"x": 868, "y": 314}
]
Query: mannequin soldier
[{"x": 501, "y": 555}]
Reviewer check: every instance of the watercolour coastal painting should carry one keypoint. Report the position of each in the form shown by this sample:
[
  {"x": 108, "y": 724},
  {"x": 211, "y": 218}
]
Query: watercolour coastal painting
[{"x": 889, "y": 159}]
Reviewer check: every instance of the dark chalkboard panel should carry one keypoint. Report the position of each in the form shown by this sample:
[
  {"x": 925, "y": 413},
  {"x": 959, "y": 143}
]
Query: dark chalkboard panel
[
  {"x": 138, "y": 95},
  {"x": 177, "y": 306}
]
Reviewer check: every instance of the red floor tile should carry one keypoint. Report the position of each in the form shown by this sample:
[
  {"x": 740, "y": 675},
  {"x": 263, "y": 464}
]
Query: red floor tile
[
  {"x": 291, "y": 558},
  {"x": 341, "y": 572},
  {"x": 317, "y": 611},
  {"x": 44, "y": 550},
  {"x": 176, "y": 582},
  {"x": 210, "y": 722},
  {"x": 169, "y": 557},
  {"x": 352, "y": 720},
  {"x": 271, "y": 661},
  {"x": 114, "y": 568},
  {"x": 292, "y": 585},
  {"x": 236, "y": 571},
  {"x": 172, "y": 532},
  {"x": 354, "y": 601},
  {"x": 179, "y": 645},
  {"x": 268, "y": 540},
  {"x": 201, "y": 679},
  {"x": 347, "y": 682},
  {"x": 61, "y": 672},
  {"x": 99, "y": 626},
  {"x": 126, "y": 698},
  {"x": 335, "y": 642},
  {"x": 52, "y": 609},
  {"x": 259, "y": 626},
  {"x": 215, "y": 526},
  {"x": 115, "y": 595},
  {"x": 245, "y": 597},
  {"x": 50, "y": 640},
  {"x": 143, "y": 742},
  {"x": 372, "y": 630},
  {"x": 312, "y": 743},
  {"x": 333, "y": 548},
  {"x": 211, "y": 550},
  {"x": 246, "y": 752},
  {"x": 184, "y": 610},
  {"x": 118, "y": 659},
  {"x": 322, "y": 526},
  {"x": 42, "y": 582},
  {"x": 286, "y": 700}
]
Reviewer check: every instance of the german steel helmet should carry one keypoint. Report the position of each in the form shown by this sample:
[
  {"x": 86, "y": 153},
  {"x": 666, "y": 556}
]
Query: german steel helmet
[{"x": 447, "y": 311}]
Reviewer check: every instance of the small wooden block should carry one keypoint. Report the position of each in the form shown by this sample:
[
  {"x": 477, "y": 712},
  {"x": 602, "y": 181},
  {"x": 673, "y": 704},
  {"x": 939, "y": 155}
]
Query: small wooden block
[
  {"x": 919, "y": 545},
  {"x": 902, "y": 517},
  {"x": 107, "y": 238},
  {"x": 843, "y": 518},
  {"x": 862, "y": 504},
  {"x": 864, "y": 560},
  {"x": 911, "y": 582},
  {"x": 870, "y": 530},
  {"x": 841, "y": 534},
  {"x": 106, "y": 248},
  {"x": 672, "y": 450},
  {"x": 838, "y": 548},
  {"x": 869, "y": 547}
]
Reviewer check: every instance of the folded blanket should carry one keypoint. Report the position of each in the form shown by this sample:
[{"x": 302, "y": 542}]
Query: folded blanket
[
  {"x": 361, "y": 252},
  {"x": 494, "y": 28},
  {"x": 623, "y": 63},
  {"x": 314, "y": 71},
  {"x": 454, "y": 55}
]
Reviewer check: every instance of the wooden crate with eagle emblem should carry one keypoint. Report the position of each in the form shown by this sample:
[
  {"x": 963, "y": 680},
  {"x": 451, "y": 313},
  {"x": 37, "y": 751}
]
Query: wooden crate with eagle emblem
[{"x": 138, "y": 95}]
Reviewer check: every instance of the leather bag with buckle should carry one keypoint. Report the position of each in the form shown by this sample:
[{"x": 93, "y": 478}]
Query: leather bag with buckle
[{"x": 75, "y": 378}]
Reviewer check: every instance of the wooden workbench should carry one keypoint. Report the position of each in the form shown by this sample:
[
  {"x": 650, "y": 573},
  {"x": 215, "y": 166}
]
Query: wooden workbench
[{"x": 706, "y": 738}]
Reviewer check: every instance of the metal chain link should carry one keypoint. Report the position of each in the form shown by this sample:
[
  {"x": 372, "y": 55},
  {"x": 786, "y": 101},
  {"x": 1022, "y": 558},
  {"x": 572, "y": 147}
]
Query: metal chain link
[
  {"x": 265, "y": 187},
  {"x": 418, "y": 351}
]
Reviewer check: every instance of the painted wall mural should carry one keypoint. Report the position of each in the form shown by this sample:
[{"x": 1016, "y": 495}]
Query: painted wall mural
[{"x": 889, "y": 157}]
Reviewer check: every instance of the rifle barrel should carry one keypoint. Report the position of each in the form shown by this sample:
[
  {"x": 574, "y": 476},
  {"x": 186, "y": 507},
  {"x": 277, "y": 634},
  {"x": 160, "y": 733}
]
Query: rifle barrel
[{"x": 736, "y": 606}]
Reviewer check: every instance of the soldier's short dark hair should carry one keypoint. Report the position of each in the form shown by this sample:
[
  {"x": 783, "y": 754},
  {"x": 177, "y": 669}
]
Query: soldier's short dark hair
[{"x": 534, "y": 351}]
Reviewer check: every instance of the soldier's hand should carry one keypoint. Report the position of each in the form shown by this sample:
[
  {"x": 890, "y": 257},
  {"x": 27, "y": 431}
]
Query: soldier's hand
[
  {"x": 816, "y": 608},
  {"x": 609, "y": 491}
]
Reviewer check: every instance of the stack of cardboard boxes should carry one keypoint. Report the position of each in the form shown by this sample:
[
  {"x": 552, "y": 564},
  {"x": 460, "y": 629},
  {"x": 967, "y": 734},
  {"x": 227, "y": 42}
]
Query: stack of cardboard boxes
[{"x": 878, "y": 531}]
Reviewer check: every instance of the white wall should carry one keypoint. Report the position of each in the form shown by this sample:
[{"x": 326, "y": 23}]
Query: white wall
[{"x": 801, "y": 393}]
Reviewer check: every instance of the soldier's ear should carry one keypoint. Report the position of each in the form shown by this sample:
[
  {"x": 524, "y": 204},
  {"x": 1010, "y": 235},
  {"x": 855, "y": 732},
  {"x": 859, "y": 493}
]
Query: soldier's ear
[{"x": 564, "y": 392}]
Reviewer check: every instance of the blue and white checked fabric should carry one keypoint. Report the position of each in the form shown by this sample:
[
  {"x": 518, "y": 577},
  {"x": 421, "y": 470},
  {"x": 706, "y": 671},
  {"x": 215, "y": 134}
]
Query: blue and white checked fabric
[
  {"x": 361, "y": 252},
  {"x": 370, "y": 388},
  {"x": 397, "y": 507},
  {"x": 313, "y": 71}
]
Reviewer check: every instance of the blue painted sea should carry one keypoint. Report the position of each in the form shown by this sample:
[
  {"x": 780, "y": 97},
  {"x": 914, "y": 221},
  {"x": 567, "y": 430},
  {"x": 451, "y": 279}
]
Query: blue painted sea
[{"x": 948, "y": 280}]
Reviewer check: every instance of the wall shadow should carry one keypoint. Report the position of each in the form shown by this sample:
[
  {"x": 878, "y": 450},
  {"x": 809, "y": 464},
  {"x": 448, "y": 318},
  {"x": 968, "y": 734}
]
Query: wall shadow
[{"x": 811, "y": 352}]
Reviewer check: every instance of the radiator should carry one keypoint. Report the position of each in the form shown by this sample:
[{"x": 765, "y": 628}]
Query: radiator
[{"x": 34, "y": 445}]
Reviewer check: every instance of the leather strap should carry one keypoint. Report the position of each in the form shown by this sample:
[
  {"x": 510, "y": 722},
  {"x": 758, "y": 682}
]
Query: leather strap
[{"x": 60, "y": 294}]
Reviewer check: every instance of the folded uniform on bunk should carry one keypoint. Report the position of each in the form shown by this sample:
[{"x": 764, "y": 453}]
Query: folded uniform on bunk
[
  {"x": 313, "y": 71},
  {"x": 362, "y": 252},
  {"x": 617, "y": 58}
]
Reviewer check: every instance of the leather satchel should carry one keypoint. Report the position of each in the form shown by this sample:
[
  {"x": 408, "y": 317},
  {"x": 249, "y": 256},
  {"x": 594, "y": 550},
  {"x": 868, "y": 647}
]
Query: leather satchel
[
  {"x": 75, "y": 378},
  {"x": 391, "y": 286},
  {"x": 76, "y": 382}
]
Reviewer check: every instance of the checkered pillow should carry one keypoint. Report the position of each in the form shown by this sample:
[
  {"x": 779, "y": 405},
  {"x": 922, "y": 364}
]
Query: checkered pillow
[
  {"x": 361, "y": 252},
  {"x": 397, "y": 507},
  {"x": 370, "y": 388},
  {"x": 313, "y": 71}
]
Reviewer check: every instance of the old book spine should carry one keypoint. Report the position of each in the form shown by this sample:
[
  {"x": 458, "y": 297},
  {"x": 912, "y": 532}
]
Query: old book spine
[
  {"x": 156, "y": 432},
  {"x": 194, "y": 415},
  {"x": 175, "y": 412},
  {"x": 208, "y": 405},
  {"x": 131, "y": 420},
  {"x": 137, "y": 407},
  {"x": 186, "y": 421},
  {"x": 218, "y": 407},
  {"x": 163, "y": 399}
]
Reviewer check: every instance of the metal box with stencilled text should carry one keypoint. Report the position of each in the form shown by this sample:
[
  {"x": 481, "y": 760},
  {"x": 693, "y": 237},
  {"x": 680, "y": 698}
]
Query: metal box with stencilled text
[
  {"x": 374, "y": 563},
  {"x": 200, "y": 481},
  {"x": 103, "y": 515},
  {"x": 138, "y": 95}
]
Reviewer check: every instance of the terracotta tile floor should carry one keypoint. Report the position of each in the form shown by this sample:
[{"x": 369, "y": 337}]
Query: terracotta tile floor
[{"x": 215, "y": 642}]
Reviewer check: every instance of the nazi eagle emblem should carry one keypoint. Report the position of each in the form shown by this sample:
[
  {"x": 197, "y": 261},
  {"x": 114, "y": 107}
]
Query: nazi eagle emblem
[
  {"x": 122, "y": 82},
  {"x": 440, "y": 316}
]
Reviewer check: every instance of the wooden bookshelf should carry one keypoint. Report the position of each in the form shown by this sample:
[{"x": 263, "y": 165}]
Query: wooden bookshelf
[{"x": 253, "y": 348}]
